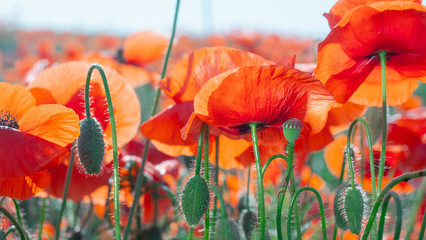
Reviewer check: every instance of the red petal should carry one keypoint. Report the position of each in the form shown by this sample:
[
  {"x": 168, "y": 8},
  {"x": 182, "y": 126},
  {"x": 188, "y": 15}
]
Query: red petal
[{"x": 25, "y": 187}]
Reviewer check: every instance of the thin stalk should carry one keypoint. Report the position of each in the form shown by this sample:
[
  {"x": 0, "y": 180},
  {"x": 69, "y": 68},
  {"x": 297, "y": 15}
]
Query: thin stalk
[
  {"x": 42, "y": 214},
  {"x": 114, "y": 141},
  {"x": 155, "y": 207},
  {"x": 216, "y": 181},
  {"x": 65, "y": 194},
  {"x": 18, "y": 226},
  {"x": 361, "y": 149},
  {"x": 191, "y": 233},
  {"x": 415, "y": 208},
  {"x": 382, "y": 56},
  {"x": 199, "y": 150},
  {"x": 296, "y": 208},
  {"x": 402, "y": 178},
  {"x": 139, "y": 180},
  {"x": 398, "y": 215},
  {"x": 248, "y": 188},
  {"x": 18, "y": 212},
  {"x": 206, "y": 176},
  {"x": 281, "y": 195},
  {"x": 321, "y": 209},
  {"x": 222, "y": 203},
  {"x": 265, "y": 166},
  {"x": 260, "y": 194},
  {"x": 9, "y": 231},
  {"x": 423, "y": 227}
]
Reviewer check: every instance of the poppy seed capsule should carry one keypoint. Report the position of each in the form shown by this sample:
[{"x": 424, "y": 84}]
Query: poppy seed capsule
[
  {"x": 248, "y": 222},
  {"x": 291, "y": 129},
  {"x": 91, "y": 145},
  {"x": 195, "y": 199}
]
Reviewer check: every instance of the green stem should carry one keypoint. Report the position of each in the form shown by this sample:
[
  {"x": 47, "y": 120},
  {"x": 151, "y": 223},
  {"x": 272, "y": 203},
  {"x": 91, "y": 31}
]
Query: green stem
[
  {"x": 216, "y": 181},
  {"x": 9, "y": 231},
  {"x": 402, "y": 178},
  {"x": 199, "y": 150},
  {"x": 139, "y": 180},
  {"x": 114, "y": 141},
  {"x": 260, "y": 194},
  {"x": 270, "y": 160},
  {"x": 222, "y": 203},
  {"x": 42, "y": 214},
  {"x": 415, "y": 208},
  {"x": 382, "y": 56},
  {"x": 296, "y": 208},
  {"x": 361, "y": 150},
  {"x": 18, "y": 227},
  {"x": 248, "y": 188},
  {"x": 191, "y": 233},
  {"x": 65, "y": 193},
  {"x": 321, "y": 208},
  {"x": 18, "y": 212},
  {"x": 282, "y": 193},
  {"x": 206, "y": 176},
  {"x": 423, "y": 227},
  {"x": 398, "y": 215}
]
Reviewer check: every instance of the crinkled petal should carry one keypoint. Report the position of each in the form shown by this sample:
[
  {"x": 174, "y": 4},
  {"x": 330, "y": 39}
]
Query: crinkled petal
[
  {"x": 26, "y": 187},
  {"x": 15, "y": 99}
]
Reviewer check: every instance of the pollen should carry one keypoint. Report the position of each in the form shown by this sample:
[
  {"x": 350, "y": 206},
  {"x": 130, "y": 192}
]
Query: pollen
[{"x": 8, "y": 120}]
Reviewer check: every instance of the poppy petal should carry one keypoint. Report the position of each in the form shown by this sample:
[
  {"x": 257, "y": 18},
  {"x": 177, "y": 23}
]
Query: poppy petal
[
  {"x": 52, "y": 122},
  {"x": 42, "y": 96},
  {"x": 26, "y": 187},
  {"x": 15, "y": 99}
]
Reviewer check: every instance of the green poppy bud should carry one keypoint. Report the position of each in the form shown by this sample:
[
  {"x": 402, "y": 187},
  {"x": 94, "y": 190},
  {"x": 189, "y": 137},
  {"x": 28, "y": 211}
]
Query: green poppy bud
[
  {"x": 195, "y": 199},
  {"x": 91, "y": 145}
]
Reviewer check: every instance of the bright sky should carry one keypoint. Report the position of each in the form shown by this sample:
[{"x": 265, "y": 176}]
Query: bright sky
[{"x": 197, "y": 17}]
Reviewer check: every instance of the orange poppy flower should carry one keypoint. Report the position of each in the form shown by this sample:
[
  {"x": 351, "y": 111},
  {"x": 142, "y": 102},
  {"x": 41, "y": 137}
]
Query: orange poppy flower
[
  {"x": 144, "y": 47},
  {"x": 341, "y": 7},
  {"x": 32, "y": 138},
  {"x": 348, "y": 63},
  {"x": 257, "y": 92}
]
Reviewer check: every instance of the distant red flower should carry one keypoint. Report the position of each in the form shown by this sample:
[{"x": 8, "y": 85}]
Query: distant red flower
[
  {"x": 348, "y": 62},
  {"x": 32, "y": 139},
  {"x": 144, "y": 47}
]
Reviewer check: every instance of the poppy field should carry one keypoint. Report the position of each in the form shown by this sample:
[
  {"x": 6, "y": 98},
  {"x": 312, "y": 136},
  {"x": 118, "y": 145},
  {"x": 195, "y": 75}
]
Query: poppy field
[{"x": 226, "y": 136}]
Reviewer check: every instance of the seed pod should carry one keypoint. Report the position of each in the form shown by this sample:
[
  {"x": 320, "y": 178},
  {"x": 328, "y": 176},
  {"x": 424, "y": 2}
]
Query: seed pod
[
  {"x": 195, "y": 199},
  {"x": 226, "y": 230},
  {"x": 248, "y": 222},
  {"x": 291, "y": 129},
  {"x": 350, "y": 207},
  {"x": 91, "y": 145}
]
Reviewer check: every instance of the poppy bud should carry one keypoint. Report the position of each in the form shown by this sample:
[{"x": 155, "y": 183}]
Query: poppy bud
[
  {"x": 248, "y": 221},
  {"x": 291, "y": 129},
  {"x": 350, "y": 207},
  {"x": 227, "y": 230},
  {"x": 195, "y": 199},
  {"x": 91, "y": 145}
]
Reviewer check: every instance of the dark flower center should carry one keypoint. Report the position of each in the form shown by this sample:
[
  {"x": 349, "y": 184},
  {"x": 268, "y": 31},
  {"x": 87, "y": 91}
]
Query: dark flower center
[
  {"x": 8, "y": 120},
  {"x": 242, "y": 129}
]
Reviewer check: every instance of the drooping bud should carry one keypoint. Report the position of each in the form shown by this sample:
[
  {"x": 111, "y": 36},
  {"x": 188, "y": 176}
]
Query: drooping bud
[
  {"x": 350, "y": 207},
  {"x": 248, "y": 222},
  {"x": 291, "y": 129},
  {"x": 226, "y": 230},
  {"x": 195, "y": 199},
  {"x": 91, "y": 145}
]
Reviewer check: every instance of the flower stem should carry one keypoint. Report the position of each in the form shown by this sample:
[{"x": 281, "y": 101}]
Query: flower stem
[
  {"x": 114, "y": 141},
  {"x": 423, "y": 227},
  {"x": 18, "y": 227},
  {"x": 139, "y": 180},
  {"x": 398, "y": 215},
  {"x": 65, "y": 194},
  {"x": 222, "y": 203},
  {"x": 260, "y": 194},
  {"x": 402, "y": 178},
  {"x": 206, "y": 176},
  {"x": 415, "y": 208},
  {"x": 248, "y": 188},
  {"x": 382, "y": 56},
  {"x": 191, "y": 233},
  {"x": 42, "y": 213},
  {"x": 199, "y": 150},
  {"x": 216, "y": 181},
  {"x": 282, "y": 193},
  {"x": 18, "y": 212},
  {"x": 321, "y": 209}
]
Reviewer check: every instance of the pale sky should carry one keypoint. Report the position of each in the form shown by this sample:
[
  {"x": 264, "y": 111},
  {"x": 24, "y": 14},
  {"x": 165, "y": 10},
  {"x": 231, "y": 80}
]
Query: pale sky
[{"x": 196, "y": 17}]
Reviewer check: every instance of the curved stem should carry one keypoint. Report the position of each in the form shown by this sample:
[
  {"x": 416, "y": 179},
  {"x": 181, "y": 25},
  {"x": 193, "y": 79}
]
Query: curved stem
[
  {"x": 270, "y": 160},
  {"x": 139, "y": 180},
  {"x": 415, "y": 208},
  {"x": 222, "y": 203},
  {"x": 402, "y": 178},
  {"x": 18, "y": 227},
  {"x": 65, "y": 193},
  {"x": 349, "y": 159},
  {"x": 321, "y": 209},
  {"x": 199, "y": 150},
  {"x": 9, "y": 231},
  {"x": 18, "y": 212},
  {"x": 423, "y": 227},
  {"x": 260, "y": 194},
  {"x": 206, "y": 176},
  {"x": 398, "y": 215},
  {"x": 281, "y": 194},
  {"x": 382, "y": 56},
  {"x": 114, "y": 141},
  {"x": 42, "y": 213}
]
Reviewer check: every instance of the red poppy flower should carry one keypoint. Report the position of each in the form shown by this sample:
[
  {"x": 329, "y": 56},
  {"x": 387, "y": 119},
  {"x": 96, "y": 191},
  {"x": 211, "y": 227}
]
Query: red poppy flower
[
  {"x": 348, "y": 63},
  {"x": 341, "y": 7},
  {"x": 32, "y": 138},
  {"x": 240, "y": 91}
]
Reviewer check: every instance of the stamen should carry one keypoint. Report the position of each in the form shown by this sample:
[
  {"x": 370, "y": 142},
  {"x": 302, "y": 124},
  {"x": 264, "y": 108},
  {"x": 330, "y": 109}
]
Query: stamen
[{"x": 8, "y": 120}]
